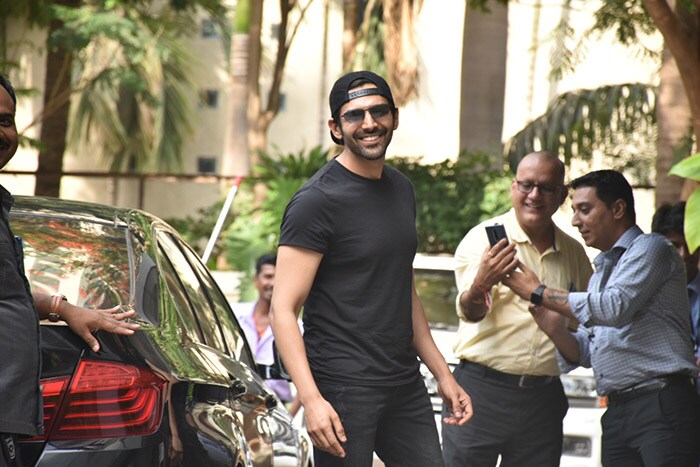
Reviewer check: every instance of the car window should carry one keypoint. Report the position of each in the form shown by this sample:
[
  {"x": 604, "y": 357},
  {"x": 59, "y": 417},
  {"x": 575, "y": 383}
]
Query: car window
[
  {"x": 86, "y": 261},
  {"x": 194, "y": 290},
  {"x": 229, "y": 325},
  {"x": 176, "y": 290}
]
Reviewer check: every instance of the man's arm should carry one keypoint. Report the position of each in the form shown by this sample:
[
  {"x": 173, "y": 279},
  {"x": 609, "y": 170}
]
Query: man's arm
[
  {"x": 496, "y": 262},
  {"x": 554, "y": 325},
  {"x": 295, "y": 272},
  {"x": 525, "y": 282},
  {"x": 85, "y": 321},
  {"x": 451, "y": 392}
]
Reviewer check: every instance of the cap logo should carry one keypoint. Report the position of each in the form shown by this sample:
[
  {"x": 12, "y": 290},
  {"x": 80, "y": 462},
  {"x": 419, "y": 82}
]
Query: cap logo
[{"x": 364, "y": 92}]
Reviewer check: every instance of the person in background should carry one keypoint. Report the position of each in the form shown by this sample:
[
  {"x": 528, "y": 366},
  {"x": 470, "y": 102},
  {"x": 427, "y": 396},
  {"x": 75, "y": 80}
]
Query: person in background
[
  {"x": 668, "y": 220},
  {"x": 507, "y": 365},
  {"x": 21, "y": 407},
  {"x": 634, "y": 332},
  {"x": 254, "y": 318},
  {"x": 347, "y": 243}
]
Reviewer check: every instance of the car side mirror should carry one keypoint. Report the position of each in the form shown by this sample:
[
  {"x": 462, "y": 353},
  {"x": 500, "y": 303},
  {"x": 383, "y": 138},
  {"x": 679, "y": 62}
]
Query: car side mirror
[{"x": 276, "y": 370}]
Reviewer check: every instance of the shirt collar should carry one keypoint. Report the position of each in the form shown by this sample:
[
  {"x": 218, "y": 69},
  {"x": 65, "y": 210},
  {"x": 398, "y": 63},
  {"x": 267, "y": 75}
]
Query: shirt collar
[
  {"x": 620, "y": 246},
  {"x": 518, "y": 235}
]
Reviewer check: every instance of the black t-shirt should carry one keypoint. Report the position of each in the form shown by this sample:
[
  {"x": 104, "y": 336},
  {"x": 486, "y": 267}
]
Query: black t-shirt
[{"x": 357, "y": 317}]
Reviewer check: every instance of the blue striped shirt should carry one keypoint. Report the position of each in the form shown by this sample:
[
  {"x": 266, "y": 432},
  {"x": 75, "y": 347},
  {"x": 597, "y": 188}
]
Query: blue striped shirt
[{"x": 634, "y": 315}]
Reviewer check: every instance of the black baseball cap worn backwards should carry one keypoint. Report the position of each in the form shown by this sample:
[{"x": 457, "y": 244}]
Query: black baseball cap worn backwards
[{"x": 340, "y": 93}]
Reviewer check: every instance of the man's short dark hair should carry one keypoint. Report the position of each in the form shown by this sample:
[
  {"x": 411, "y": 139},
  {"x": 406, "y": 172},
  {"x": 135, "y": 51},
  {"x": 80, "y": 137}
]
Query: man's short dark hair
[
  {"x": 610, "y": 185},
  {"x": 669, "y": 218},
  {"x": 267, "y": 258},
  {"x": 5, "y": 83}
]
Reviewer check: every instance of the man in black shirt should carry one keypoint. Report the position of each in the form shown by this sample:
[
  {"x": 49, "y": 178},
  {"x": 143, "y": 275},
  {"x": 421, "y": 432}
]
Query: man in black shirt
[
  {"x": 347, "y": 244},
  {"x": 20, "y": 395}
]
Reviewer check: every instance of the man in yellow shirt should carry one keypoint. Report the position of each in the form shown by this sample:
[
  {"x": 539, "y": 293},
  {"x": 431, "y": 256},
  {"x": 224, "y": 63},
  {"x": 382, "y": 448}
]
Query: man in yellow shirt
[{"x": 507, "y": 364}]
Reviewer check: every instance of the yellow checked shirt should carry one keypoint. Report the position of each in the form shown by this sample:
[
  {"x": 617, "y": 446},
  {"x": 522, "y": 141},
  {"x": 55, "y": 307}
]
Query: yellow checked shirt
[{"x": 508, "y": 339}]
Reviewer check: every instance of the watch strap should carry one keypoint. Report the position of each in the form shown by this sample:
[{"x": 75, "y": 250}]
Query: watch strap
[{"x": 536, "y": 297}]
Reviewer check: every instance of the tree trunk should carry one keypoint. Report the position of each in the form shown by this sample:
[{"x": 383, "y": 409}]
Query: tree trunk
[
  {"x": 483, "y": 79},
  {"x": 351, "y": 23},
  {"x": 680, "y": 29},
  {"x": 673, "y": 120},
  {"x": 236, "y": 159},
  {"x": 57, "y": 85}
]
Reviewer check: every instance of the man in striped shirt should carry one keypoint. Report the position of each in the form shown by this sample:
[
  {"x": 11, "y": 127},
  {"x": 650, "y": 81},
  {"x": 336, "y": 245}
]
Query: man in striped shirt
[{"x": 635, "y": 329}]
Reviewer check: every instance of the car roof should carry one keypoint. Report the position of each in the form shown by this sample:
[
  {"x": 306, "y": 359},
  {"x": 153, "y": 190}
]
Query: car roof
[{"x": 40, "y": 206}]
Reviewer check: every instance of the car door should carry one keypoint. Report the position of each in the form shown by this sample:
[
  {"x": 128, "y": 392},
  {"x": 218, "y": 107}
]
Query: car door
[
  {"x": 243, "y": 412},
  {"x": 287, "y": 448}
]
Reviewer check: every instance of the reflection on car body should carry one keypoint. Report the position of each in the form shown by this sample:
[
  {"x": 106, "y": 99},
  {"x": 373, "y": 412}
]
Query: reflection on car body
[
  {"x": 435, "y": 283},
  {"x": 183, "y": 390}
]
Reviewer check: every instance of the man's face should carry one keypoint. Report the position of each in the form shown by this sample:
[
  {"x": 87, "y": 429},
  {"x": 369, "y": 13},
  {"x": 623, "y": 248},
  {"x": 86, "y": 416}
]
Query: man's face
[
  {"x": 8, "y": 130},
  {"x": 264, "y": 282},
  {"x": 594, "y": 220},
  {"x": 369, "y": 137},
  {"x": 690, "y": 260},
  {"x": 535, "y": 209}
]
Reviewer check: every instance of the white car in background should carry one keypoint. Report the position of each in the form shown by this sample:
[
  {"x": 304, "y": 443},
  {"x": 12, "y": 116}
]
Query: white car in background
[{"x": 436, "y": 287}]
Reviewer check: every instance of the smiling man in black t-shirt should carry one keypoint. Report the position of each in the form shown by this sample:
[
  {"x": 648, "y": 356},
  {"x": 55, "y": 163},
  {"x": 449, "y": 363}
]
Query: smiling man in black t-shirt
[{"x": 347, "y": 244}]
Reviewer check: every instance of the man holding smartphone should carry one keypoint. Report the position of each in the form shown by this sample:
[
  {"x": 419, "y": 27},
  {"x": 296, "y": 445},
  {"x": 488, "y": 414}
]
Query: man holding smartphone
[{"x": 507, "y": 364}]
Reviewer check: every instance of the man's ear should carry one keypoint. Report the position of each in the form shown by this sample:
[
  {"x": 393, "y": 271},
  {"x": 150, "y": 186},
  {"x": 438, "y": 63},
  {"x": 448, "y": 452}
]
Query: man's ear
[
  {"x": 619, "y": 208},
  {"x": 335, "y": 129},
  {"x": 564, "y": 194},
  {"x": 396, "y": 119}
]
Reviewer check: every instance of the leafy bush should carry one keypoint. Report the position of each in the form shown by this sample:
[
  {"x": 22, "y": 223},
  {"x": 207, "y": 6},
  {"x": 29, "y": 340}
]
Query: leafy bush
[
  {"x": 255, "y": 229},
  {"x": 452, "y": 196},
  {"x": 690, "y": 168}
]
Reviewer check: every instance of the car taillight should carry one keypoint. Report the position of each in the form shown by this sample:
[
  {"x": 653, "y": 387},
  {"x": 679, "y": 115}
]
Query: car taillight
[{"x": 105, "y": 399}]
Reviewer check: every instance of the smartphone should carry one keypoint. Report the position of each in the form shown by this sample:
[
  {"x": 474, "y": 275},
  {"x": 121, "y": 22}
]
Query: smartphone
[{"x": 495, "y": 233}]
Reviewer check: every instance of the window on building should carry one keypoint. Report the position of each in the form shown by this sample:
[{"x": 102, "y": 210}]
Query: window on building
[
  {"x": 209, "y": 98},
  {"x": 206, "y": 164},
  {"x": 209, "y": 30}
]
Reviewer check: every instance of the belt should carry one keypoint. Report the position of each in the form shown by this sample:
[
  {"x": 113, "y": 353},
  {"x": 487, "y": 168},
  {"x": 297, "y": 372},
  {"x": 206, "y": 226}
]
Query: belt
[
  {"x": 520, "y": 381},
  {"x": 649, "y": 386}
]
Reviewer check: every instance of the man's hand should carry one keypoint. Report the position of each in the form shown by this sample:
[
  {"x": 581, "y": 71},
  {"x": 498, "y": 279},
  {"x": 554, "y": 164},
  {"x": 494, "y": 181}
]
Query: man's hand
[
  {"x": 549, "y": 321},
  {"x": 85, "y": 321},
  {"x": 324, "y": 427},
  {"x": 522, "y": 282},
  {"x": 496, "y": 263},
  {"x": 457, "y": 400}
]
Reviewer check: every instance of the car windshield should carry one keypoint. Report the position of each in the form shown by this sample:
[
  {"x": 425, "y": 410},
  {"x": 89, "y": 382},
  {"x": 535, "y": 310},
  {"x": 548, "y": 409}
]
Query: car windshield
[
  {"x": 437, "y": 291},
  {"x": 86, "y": 261}
]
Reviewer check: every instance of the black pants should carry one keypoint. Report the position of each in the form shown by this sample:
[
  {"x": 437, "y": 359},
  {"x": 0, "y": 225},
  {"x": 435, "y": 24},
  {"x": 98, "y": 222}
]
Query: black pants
[
  {"x": 522, "y": 425},
  {"x": 661, "y": 428},
  {"x": 395, "y": 422}
]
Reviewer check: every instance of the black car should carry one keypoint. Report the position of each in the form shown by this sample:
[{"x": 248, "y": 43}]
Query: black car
[{"x": 183, "y": 390}]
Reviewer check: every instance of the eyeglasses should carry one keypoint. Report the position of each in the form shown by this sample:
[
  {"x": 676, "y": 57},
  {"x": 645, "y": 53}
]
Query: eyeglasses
[
  {"x": 376, "y": 111},
  {"x": 527, "y": 187}
]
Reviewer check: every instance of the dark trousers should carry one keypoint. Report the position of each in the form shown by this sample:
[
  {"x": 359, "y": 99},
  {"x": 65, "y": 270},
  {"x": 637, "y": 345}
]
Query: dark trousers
[
  {"x": 522, "y": 425},
  {"x": 395, "y": 422},
  {"x": 660, "y": 428}
]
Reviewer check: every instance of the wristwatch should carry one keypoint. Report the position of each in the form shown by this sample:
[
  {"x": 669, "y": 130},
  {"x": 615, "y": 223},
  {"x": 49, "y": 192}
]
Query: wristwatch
[
  {"x": 536, "y": 296},
  {"x": 56, "y": 299}
]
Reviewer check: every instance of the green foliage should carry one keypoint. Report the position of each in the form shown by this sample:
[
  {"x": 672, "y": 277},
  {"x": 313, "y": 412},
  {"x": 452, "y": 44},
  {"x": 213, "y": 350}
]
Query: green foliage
[
  {"x": 453, "y": 196},
  {"x": 255, "y": 229},
  {"x": 690, "y": 168},
  {"x": 197, "y": 228},
  {"x": 618, "y": 120}
]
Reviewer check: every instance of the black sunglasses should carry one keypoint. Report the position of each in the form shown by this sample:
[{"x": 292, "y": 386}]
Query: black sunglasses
[
  {"x": 376, "y": 111},
  {"x": 527, "y": 187}
]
